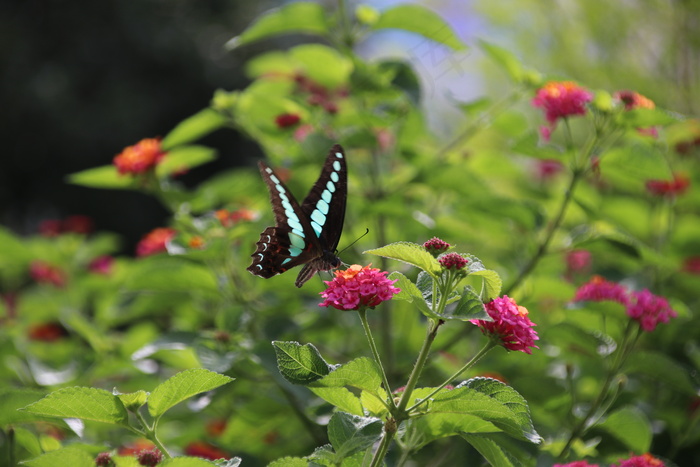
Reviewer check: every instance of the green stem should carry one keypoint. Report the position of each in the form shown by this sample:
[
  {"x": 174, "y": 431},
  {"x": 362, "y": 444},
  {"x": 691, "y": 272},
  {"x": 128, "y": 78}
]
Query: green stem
[
  {"x": 370, "y": 340},
  {"x": 151, "y": 435},
  {"x": 418, "y": 367},
  {"x": 489, "y": 345},
  {"x": 390, "y": 427},
  {"x": 11, "y": 446}
]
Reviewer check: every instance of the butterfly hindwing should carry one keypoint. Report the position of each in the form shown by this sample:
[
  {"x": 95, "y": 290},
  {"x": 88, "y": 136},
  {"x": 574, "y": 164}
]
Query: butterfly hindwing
[{"x": 306, "y": 234}]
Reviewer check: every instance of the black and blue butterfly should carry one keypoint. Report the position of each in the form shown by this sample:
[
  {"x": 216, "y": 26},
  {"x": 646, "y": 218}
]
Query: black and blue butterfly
[{"x": 306, "y": 234}]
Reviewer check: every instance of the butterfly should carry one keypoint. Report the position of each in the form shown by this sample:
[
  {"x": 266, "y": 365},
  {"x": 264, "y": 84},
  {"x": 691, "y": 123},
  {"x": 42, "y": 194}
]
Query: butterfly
[{"x": 306, "y": 234}]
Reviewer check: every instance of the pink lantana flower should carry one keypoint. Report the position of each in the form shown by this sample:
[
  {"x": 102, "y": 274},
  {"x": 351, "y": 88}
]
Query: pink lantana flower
[
  {"x": 650, "y": 310},
  {"x": 600, "y": 290},
  {"x": 358, "y": 287},
  {"x": 155, "y": 241},
  {"x": 560, "y": 99},
  {"x": 435, "y": 246},
  {"x": 576, "y": 464},
  {"x": 645, "y": 460},
  {"x": 511, "y": 326},
  {"x": 453, "y": 261}
]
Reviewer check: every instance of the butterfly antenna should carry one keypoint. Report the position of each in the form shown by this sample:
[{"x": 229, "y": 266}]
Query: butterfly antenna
[{"x": 355, "y": 241}]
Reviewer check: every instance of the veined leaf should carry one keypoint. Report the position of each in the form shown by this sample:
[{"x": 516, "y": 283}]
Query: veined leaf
[
  {"x": 411, "y": 293},
  {"x": 85, "y": 403},
  {"x": 351, "y": 433},
  {"x": 182, "y": 386},
  {"x": 420, "y": 20},
  {"x": 469, "y": 307},
  {"x": 184, "y": 461},
  {"x": 67, "y": 456},
  {"x": 297, "y": 17},
  {"x": 300, "y": 364},
  {"x": 289, "y": 462},
  {"x": 133, "y": 400},
  {"x": 362, "y": 373},
  {"x": 492, "y": 451},
  {"x": 630, "y": 426},
  {"x": 339, "y": 397},
  {"x": 492, "y": 283},
  {"x": 410, "y": 253}
]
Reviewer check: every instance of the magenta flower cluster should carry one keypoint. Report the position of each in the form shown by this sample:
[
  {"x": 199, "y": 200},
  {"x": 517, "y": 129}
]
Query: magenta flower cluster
[
  {"x": 358, "y": 287},
  {"x": 453, "y": 261},
  {"x": 435, "y": 246},
  {"x": 644, "y": 307},
  {"x": 510, "y": 326}
]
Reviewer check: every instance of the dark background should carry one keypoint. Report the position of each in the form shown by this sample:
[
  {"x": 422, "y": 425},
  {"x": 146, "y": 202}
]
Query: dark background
[{"x": 83, "y": 79}]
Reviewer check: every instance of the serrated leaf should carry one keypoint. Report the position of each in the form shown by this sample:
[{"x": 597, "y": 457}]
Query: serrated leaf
[
  {"x": 289, "y": 462},
  {"x": 102, "y": 177},
  {"x": 411, "y": 293},
  {"x": 182, "y": 386},
  {"x": 184, "y": 158},
  {"x": 410, "y": 253},
  {"x": 13, "y": 399},
  {"x": 300, "y": 364},
  {"x": 492, "y": 452},
  {"x": 297, "y": 17},
  {"x": 351, "y": 433},
  {"x": 133, "y": 400},
  {"x": 469, "y": 307},
  {"x": 184, "y": 461},
  {"x": 192, "y": 128},
  {"x": 339, "y": 397},
  {"x": 492, "y": 283},
  {"x": 362, "y": 373},
  {"x": 84, "y": 403},
  {"x": 511, "y": 399},
  {"x": 420, "y": 20},
  {"x": 66, "y": 456},
  {"x": 322, "y": 455},
  {"x": 631, "y": 427}
]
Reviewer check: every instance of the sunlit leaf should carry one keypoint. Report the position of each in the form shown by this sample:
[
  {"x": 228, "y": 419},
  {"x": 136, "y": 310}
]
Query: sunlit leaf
[
  {"x": 351, "y": 433},
  {"x": 420, "y": 20},
  {"x": 85, "y": 403},
  {"x": 410, "y": 253},
  {"x": 182, "y": 386},
  {"x": 102, "y": 177},
  {"x": 192, "y": 128}
]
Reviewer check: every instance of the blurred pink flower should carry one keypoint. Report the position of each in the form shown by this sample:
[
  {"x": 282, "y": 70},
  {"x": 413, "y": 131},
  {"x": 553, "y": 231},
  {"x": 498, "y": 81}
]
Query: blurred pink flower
[
  {"x": 561, "y": 99},
  {"x": 600, "y": 290},
  {"x": 155, "y": 241},
  {"x": 645, "y": 460},
  {"x": 650, "y": 310}
]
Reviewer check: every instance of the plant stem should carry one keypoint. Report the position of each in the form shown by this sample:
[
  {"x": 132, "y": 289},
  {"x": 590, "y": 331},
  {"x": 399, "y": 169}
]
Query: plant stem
[
  {"x": 151, "y": 435},
  {"x": 489, "y": 345},
  {"x": 370, "y": 340},
  {"x": 390, "y": 427},
  {"x": 418, "y": 367}
]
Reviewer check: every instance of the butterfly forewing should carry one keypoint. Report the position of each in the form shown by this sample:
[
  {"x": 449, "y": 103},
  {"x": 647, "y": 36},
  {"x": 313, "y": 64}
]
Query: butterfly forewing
[{"x": 306, "y": 234}]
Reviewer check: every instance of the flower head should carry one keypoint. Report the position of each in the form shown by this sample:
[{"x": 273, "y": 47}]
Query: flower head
[
  {"x": 229, "y": 218},
  {"x": 435, "y": 246},
  {"x": 511, "y": 326},
  {"x": 453, "y": 261},
  {"x": 45, "y": 273},
  {"x": 668, "y": 188},
  {"x": 104, "y": 459},
  {"x": 561, "y": 99},
  {"x": 576, "y": 464},
  {"x": 650, "y": 310},
  {"x": 633, "y": 100},
  {"x": 287, "y": 120},
  {"x": 101, "y": 265},
  {"x": 150, "y": 458},
  {"x": 600, "y": 290},
  {"x": 140, "y": 157},
  {"x": 358, "y": 287},
  {"x": 547, "y": 169},
  {"x": 155, "y": 241},
  {"x": 645, "y": 460}
]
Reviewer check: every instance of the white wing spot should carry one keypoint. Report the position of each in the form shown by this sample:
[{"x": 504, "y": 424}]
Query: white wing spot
[
  {"x": 336, "y": 166},
  {"x": 339, "y": 155},
  {"x": 334, "y": 177}
]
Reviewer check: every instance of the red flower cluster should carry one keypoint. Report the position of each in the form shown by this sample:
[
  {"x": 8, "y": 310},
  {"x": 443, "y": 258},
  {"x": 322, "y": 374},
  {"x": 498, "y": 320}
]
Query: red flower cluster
[
  {"x": 577, "y": 262},
  {"x": 139, "y": 158},
  {"x": 644, "y": 307},
  {"x": 47, "y": 332},
  {"x": 318, "y": 95},
  {"x": 101, "y": 265},
  {"x": 155, "y": 241},
  {"x": 645, "y": 460},
  {"x": 511, "y": 326},
  {"x": 576, "y": 464},
  {"x": 205, "y": 451},
  {"x": 287, "y": 120},
  {"x": 435, "y": 246},
  {"x": 633, "y": 100},
  {"x": 358, "y": 287},
  {"x": 668, "y": 188},
  {"x": 45, "y": 273},
  {"x": 561, "y": 99},
  {"x": 230, "y": 218},
  {"x": 150, "y": 458},
  {"x": 104, "y": 459},
  {"x": 453, "y": 261},
  {"x": 71, "y": 224}
]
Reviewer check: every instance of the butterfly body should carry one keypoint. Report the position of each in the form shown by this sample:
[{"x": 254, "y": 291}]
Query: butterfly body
[{"x": 305, "y": 234}]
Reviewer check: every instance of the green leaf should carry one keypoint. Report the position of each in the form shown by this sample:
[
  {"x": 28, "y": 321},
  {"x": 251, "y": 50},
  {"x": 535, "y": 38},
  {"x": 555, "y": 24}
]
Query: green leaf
[
  {"x": 297, "y": 17},
  {"x": 133, "y": 400},
  {"x": 420, "y": 20},
  {"x": 661, "y": 368},
  {"x": 492, "y": 283},
  {"x": 492, "y": 451},
  {"x": 645, "y": 118},
  {"x": 511, "y": 399},
  {"x": 12, "y": 250},
  {"x": 168, "y": 274},
  {"x": 322, "y": 64},
  {"x": 289, "y": 462},
  {"x": 411, "y": 293},
  {"x": 351, "y": 433},
  {"x": 102, "y": 177},
  {"x": 184, "y": 158},
  {"x": 13, "y": 399},
  {"x": 362, "y": 373},
  {"x": 182, "y": 386},
  {"x": 636, "y": 162},
  {"x": 631, "y": 427},
  {"x": 469, "y": 307},
  {"x": 339, "y": 397},
  {"x": 410, "y": 253},
  {"x": 66, "y": 456},
  {"x": 184, "y": 461},
  {"x": 192, "y": 128},
  {"x": 85, "y": 403},
  {"x": 505, "y": 59},
  {"x": 323, "y": 455},
  {"x": 300, "y": 364}
]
